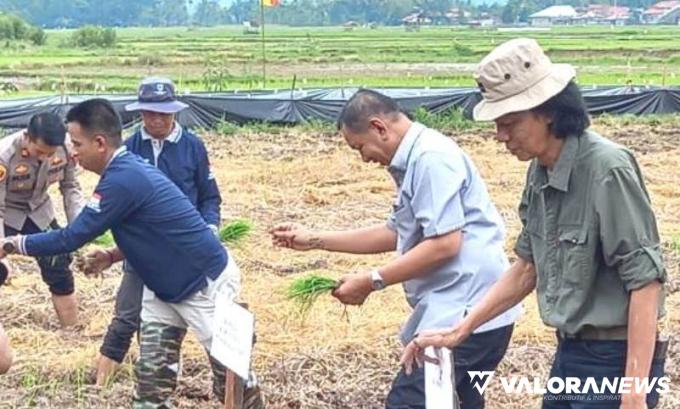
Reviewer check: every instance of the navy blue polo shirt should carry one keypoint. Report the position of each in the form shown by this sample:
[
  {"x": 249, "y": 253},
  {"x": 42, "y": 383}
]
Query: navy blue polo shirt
[
  {"x": 154, "y": 224},
  {"x": 184, "y": 159}
]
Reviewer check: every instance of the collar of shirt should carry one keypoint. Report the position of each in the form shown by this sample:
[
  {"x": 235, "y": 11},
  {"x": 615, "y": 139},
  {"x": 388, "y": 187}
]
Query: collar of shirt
[
  {"x": 174, "y": 136},
  {"x": 558, "y": 177},
  {"x": 120, "y": 151},
  {"x": 399, "y": 162}
]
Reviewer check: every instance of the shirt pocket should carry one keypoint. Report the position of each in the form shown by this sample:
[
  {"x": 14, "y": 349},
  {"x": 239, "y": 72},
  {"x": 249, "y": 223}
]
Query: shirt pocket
[
  {"x": 22, "y": 183},
  {"x": 404, "y": 223},
  {"x": 576, "y": 256}
]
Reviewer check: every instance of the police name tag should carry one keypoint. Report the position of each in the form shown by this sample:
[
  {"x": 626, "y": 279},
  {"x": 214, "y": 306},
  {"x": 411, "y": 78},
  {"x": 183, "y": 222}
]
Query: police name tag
[
  {"x": 439, "y": 391},
  {"x": 232, "y": 342}
]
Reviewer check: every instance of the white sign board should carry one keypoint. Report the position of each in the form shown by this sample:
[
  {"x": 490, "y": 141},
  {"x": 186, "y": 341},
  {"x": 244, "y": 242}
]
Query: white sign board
[
  {"x": 439, "y": 391},
  {"x": 232, "y": 342}
]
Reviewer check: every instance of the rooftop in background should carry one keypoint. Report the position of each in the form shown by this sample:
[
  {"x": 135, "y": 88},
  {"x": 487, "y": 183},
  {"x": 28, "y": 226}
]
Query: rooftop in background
[{"x": 555, "y": 11}]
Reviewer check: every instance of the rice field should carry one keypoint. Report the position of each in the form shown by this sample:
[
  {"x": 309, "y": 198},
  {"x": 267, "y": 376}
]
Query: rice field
[
  {"x": 335, "y": 358},
  {"x": 224, "y": 58}
]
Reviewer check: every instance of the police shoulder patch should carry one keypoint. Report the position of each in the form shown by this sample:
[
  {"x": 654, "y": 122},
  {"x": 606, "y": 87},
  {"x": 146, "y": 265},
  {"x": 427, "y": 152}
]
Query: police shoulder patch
[{"x": 3, "y": 173}]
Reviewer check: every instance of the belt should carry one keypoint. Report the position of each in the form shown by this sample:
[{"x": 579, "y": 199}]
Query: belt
[
  {"x": 597, "y": 334},
  {"x": 615, "y": 334}
]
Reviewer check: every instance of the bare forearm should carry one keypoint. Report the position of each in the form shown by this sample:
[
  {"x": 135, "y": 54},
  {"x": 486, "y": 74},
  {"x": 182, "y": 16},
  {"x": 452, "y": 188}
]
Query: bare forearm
[
  {"x": 422, "y": 259},
  {"x": 642, "y": 317},
  {"x": 370, "y": 240},
  {"x": 518, "y": 282}
]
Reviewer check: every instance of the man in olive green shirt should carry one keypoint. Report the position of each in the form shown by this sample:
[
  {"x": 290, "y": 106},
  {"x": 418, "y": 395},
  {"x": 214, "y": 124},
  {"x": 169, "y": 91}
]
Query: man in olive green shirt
[{"x": 589, "y": 245}]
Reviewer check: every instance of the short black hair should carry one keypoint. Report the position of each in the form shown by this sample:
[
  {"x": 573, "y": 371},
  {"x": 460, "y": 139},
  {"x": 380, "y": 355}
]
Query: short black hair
[
  {"x": 364, "y": 104},
  {"x": 47, "y": 127},
  {"x": 98, "y": 116},
  {"x": 568, "y": 112}
]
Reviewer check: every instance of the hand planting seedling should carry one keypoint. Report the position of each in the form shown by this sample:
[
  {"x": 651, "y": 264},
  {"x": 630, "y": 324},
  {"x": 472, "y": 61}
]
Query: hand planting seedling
[
  {"x": 235, "y": 231},
  {"x": 306, "y": 290}
]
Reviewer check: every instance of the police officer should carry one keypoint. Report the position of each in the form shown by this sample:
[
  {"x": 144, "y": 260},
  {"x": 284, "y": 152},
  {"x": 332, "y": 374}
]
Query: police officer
[
  {"x": 31, "y": 161},
  {"x": 181, "y": 156}
]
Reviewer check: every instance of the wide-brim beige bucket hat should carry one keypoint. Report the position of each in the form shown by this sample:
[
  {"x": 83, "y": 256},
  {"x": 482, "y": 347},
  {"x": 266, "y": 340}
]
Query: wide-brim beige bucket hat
[{"x": 517, "y": 76}]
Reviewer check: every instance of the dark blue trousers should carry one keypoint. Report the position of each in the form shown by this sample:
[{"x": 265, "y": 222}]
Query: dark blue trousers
[
  {"x": 480, "y": 352},
  {"x": 598, "y": 359}
]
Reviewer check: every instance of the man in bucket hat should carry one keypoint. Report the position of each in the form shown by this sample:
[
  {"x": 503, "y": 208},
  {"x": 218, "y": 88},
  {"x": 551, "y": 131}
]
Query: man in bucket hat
[
  {"x": 181, "y": 156},
  {"x": 589, "y": 244},
  {"x": 184, "y": 267}
]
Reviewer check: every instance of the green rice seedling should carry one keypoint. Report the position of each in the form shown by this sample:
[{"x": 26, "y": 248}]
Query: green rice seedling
[
  {"x": 306, "y": 290},
  {"x": 235, "y": 231},
  {"x": 105, "y": 240}
]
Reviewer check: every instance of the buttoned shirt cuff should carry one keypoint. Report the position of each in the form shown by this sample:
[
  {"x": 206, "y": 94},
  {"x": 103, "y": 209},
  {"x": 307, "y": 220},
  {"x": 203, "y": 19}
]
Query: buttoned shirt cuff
[
  {"x": 19, "y": 244},
  {"x": 641, "y": 267}
]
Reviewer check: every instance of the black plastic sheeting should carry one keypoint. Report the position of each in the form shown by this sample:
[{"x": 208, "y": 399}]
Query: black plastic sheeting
[{"x": 295, "y": 106}]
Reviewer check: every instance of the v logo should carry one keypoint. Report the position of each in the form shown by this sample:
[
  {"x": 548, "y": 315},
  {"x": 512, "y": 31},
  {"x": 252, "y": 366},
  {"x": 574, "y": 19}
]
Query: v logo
[{"x": 482, "y": 384}]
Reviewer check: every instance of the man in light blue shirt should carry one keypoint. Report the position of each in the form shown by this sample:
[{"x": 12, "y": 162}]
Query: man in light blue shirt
[{"x": 447, "y": 234}]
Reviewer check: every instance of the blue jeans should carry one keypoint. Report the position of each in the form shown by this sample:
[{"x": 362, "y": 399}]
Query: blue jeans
[
  {"x": 598, "y": 359},
  {"x": 480, "y": 352}
]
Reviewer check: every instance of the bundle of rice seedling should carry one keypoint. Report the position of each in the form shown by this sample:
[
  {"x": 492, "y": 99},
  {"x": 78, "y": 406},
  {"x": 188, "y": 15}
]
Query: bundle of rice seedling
[
  {"x": 305, "y": 291},
  {"x": 235, "y": 231},
  {"x": 105, "y": 240}
]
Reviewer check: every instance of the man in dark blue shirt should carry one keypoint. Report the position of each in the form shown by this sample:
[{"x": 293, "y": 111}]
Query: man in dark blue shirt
[
  {"x": 182, "y": 264},
  {"x": 183, "y": 158}
]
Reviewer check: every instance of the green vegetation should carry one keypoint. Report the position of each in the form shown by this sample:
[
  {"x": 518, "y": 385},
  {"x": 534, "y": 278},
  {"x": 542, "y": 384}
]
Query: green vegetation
[
  {"x": 235, "y": 231},
  {"x": 92, "y": 36},
  {"x": 225, "y": 59},
  {"x": 105, "y": 240},
  {"x": 125, "y": 13},
  {"x": 306, "y": 290},
  {"x": 14, "y": 28},
  {"x": 451, "y": 120}
]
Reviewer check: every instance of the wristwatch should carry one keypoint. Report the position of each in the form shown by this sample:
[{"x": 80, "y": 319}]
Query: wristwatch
[
  {"x": 8, "y": 247},
  {"x": 377, "y": 281}
]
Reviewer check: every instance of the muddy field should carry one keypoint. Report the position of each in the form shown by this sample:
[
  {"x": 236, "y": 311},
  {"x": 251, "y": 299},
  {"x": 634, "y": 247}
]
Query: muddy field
[{"x": 328, "y": 360}]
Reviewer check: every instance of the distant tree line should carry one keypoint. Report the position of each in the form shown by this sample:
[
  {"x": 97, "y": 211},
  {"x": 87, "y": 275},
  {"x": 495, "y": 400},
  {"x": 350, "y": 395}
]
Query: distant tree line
[
  {"x": 15, "y": 28},
  {"x": 119, "y": 13}
]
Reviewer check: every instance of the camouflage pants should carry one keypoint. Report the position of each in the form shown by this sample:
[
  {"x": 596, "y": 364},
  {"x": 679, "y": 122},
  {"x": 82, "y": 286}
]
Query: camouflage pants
[
  {"x": 158, "y": 366},
  {"x": 162, "y": 331}
]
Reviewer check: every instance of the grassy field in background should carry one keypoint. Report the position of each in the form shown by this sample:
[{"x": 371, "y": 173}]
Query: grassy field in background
[{"x": 224, "y": 58}]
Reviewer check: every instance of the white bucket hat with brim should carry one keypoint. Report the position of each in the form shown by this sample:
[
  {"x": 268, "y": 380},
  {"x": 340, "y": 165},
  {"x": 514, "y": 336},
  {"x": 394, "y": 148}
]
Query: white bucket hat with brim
[
  {"x": 157, "y": 94},
  {"x": 517, "y": 76}
]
